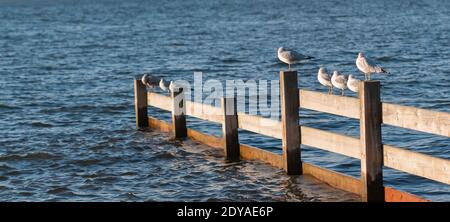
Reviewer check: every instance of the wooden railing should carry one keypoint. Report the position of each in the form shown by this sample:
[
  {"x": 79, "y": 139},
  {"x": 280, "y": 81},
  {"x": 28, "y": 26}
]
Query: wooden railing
[{"x": 368, "y": 148}]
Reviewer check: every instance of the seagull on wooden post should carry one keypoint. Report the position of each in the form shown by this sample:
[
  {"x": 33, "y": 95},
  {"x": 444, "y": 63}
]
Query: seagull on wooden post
[
  {"x": 163, "y": 85},
  {"x": 291, "y": 56},
  {"x": 368, "y": 66}
]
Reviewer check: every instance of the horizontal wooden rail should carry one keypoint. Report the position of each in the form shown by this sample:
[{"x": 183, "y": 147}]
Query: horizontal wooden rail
[
  {"x": 437, "y": 169},
  {"x": 257, "y": 124},
  {"x": 159, "y": 101},
  {"x": 433, "y": 168},
  {"x": 408, "y": 117},
  {"x": 252, "y": 123},
  {"x": 417, "y": 119},
  {"x": 333, "y": 104},
  {"x": 333, "y": 142},
  {"x": 204, "y": 111},
  {"x": 330, "y": 177}
]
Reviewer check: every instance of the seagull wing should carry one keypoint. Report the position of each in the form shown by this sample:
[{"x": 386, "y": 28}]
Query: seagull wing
[
  {"x": 341, "y": 79},
  {"x": 354, "y": 83}
]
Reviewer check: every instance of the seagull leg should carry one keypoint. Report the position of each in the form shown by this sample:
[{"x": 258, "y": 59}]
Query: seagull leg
[
  {"x": 342, "y": 92},
  {"x": 369, "y": 76},
  {"x": 289, "y": 67}
]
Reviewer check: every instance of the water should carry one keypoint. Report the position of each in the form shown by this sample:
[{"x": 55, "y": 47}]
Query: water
[{"x": 66, "y": 106}]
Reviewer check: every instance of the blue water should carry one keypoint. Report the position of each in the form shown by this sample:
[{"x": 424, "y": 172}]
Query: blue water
[{"x": 66, "y": 106}]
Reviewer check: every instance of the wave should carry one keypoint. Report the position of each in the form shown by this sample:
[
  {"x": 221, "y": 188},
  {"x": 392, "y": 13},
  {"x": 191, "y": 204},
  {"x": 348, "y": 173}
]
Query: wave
[
  {"x": 41, "y": 124},
  {"x": 30, "y": 156}
]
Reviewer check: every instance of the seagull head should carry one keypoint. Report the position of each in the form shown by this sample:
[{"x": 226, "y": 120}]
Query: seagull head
[
  {"x": 335, "y": 73},
  {"x": 360, "y": 55},
  {"x": 350, "y": 76},
  {"x": 281, "y": 49},
  {"x": 322, "y": 70}
]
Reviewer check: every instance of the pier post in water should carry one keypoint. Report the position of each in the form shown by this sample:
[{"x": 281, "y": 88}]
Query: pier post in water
[
  {"x": 140, "y": 104},
  {"x": 290, "y": 122},
  {"x": 370, "y": 142},
  {"x": 230, "y": 129},
  {"x": 178, "y": 113}
]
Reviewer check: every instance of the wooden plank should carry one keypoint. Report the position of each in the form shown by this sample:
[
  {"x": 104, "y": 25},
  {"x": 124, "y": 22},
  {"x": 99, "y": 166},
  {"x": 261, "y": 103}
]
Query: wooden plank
[
  {"x": 257, "y": 124},
  {"x": 333, "y": 142},
  {"x": 178, "y": 110},
  {"x": 371, "y": 146},
  {"x": 334, "y": 179},
  {"x": 290, "y": 126},
  {"x": 204, "y": 112},
  {"x": 230, "y": 129},
  {"x": 253, "y": 153},
  {"x": 160, "y": 125},
  {"x": 333, "y": 104},
  {"x": 417, "y": 119},
  {"x": 206, "y": 139},
  {"x": 393, "y": 195},
  {"x": 140, "y": 104},
  {"x": 418, "y": 164},
  {"x": 159, "y": 101}
]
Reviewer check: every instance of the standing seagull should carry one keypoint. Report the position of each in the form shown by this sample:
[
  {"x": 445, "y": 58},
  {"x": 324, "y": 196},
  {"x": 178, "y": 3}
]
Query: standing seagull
[
  {"x": 353, "y": 84},
  {"x": 163, "y": 85},
  {"x": 290, "y": 56},
  {"x": 325, "y": 79},
  {"x": 339, "y": 81},
  {"x": 368, "y": 66},
  {"x": 148, "y": 80}
]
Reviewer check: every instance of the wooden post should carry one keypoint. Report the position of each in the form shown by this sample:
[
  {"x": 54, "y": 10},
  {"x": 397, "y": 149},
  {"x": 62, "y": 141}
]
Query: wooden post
[
  {"x": 290, "y": 126},
  {"x": 230, "y": 129},
  {"x": 371, "y": 144},
  {"x": 178, "y": 113},
  {"x": 140, "y": 104}
]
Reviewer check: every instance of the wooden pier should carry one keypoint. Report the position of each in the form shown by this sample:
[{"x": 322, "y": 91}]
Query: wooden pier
[{"x": 369, "y": 148}]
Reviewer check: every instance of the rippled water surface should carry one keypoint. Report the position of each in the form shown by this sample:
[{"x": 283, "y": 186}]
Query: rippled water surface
[{"x": 66, "y": 106}]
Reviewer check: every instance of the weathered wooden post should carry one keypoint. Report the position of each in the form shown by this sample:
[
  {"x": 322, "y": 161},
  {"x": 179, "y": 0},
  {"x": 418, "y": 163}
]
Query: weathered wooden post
[
  {"x": 370, "y": 140},
  {"x": 178, "y": 113},
  {"x": 290, "y": 125},
  {"x": 140, "y": 104},
  {"x": 230, "y": 129}
]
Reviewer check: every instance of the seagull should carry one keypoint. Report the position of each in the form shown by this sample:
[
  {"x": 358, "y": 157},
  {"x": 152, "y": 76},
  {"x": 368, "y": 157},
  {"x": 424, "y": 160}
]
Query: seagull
[
  {"x": 353, "y": 83},
  {"x": 173, "y": 87},
  {"x": 368, "y": 66},
  {"x": 290, "y": 56},
  {"x": 163, "y": 85},
  {"x": 339, "y": 81},
  {"x": 148, "y": 80},
  {"x": 325, "y": 79}
]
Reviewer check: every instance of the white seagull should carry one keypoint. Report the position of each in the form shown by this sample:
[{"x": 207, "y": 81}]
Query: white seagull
[
  {"x": 339, "y": 81},
  {"x": 290, "y": 56},
  {"x": 325, "y": 79},
  {"x": 163, "y": 85},
  {"x": 368, "y": 66},
  {"x": 353, "y": 83},
  {"x": 173, "y": 87}
]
